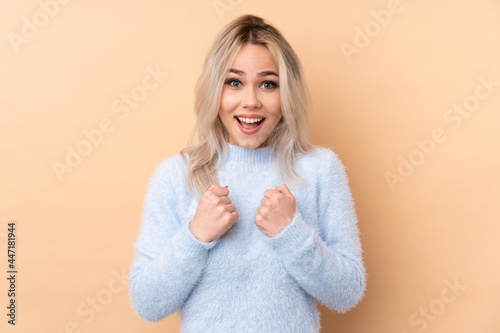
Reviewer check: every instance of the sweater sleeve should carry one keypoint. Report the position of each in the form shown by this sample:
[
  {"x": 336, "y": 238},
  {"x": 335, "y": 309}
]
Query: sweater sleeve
[
  {"x": 168, "y": 258},
  {"x": 327, "y": 261}
]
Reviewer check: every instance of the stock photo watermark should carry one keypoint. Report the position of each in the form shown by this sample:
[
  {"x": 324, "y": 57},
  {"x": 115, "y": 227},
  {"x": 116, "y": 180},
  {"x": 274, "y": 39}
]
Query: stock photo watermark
[
  {"x": 221, "y": 7},
  {"x": 121, "y": 107},
  {"x": 12, "y": 272},
  {"x": 88, "y": 309},
  {"x": 31, "y": 26},
  {"x": 425, "y": 315},
  {"x": 455, "y": 115},
  {"x": 380, "y": 19}
]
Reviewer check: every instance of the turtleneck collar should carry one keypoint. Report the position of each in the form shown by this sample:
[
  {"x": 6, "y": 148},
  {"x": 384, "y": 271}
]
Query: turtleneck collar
[{"x": 247, "y": 158}]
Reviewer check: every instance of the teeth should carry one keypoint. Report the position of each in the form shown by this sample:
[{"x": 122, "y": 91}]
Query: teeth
[{"x": 249, "y": 120}]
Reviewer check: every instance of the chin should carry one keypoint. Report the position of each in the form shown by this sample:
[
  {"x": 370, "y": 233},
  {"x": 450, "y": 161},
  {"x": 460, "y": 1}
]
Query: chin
[{"x": 249, "y": 144}]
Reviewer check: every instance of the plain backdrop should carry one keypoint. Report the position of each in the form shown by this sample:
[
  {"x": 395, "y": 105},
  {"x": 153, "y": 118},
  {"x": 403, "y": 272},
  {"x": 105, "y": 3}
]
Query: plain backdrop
[{"x": 94, "y": 94}]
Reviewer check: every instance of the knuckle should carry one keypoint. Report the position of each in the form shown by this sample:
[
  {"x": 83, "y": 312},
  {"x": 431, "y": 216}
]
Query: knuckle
[
  {"x": 228, "y": 218},
  {"x": 234, "y": 218}
]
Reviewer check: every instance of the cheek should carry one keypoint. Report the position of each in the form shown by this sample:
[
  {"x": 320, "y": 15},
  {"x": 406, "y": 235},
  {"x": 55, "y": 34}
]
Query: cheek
[
  {"x": 275, "y": 110},
  {"x": 225, "y": 108},
  {"x": 228, "y": 101},
  {"x": 272, "y": 104}
]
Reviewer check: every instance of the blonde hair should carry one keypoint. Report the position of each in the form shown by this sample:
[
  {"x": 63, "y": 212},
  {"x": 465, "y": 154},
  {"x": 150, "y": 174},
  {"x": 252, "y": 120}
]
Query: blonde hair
[{"x": 289, "y": 139}]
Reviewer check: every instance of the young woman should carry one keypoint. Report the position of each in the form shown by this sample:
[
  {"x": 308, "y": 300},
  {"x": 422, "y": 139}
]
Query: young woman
[{"x": 244, "y": 229}]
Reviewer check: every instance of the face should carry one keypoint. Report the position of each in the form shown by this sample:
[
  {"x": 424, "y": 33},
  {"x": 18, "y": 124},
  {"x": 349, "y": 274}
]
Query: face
[{"x": 250, "y": 106}]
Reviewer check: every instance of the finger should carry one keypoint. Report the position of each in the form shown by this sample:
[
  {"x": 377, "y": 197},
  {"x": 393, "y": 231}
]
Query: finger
[
  {"x": 229, "y": 218},
  {"x": 263, "y": 211},
  {"x": 220, "y": 202},
  {"x": 284, "y": 189},
  {"x": 223, "y": 200},
  {"x": 258, "y": 220},
  {"x": 270, "y": 193},
  {"x": 231, "y": 208},
  {"x": 219, "y": 191},
  {"x": 225, "y": 209},
  {"x": 234, "y": 217}
]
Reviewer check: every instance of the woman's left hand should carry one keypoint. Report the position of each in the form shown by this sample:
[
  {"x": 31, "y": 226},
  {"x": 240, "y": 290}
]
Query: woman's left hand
[{"x": 276, "y": 210}]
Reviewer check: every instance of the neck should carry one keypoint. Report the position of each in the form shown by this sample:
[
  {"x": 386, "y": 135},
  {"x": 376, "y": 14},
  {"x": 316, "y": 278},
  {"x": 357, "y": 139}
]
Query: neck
[{"x": 247, "y": 158}]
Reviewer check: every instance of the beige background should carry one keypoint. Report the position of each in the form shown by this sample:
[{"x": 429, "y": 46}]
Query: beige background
[{"x": 435, "y": 226}]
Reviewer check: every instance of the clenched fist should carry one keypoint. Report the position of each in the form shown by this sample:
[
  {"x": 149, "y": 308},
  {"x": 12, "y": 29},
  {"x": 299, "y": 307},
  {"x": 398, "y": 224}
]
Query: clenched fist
[
  {"x": 215, "y": 214},
  {"x": 276, "y": 210}
]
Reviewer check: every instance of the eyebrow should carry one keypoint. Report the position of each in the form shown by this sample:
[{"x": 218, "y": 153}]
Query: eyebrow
[{"x": 264, "y": 73}]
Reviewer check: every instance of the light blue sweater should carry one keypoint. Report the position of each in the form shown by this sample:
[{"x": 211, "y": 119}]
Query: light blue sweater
[{"x": 245, "y": 281}]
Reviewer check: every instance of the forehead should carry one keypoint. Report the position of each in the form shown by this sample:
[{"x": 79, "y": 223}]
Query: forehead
[{"x": 254, "y": 58}]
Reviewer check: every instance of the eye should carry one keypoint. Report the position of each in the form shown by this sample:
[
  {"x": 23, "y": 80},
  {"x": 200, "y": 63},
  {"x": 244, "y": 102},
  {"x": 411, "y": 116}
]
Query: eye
[
  {"x": 233, "y": 82},
  {"x": 269, "y": 84}
]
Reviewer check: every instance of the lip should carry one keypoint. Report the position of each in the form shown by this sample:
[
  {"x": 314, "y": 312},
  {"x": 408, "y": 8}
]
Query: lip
[
  {"x": 249, "y": 131},
  {"x": 251, "y": 116}
]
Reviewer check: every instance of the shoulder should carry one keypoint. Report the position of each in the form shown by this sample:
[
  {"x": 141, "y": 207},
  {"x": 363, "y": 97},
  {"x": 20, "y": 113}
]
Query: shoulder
[
  {"x": 322, "y": 168},
  {"x": 174, "y": 163},
  {"x": 171, "y": 170},
  {"x": 321, "y": 160}
]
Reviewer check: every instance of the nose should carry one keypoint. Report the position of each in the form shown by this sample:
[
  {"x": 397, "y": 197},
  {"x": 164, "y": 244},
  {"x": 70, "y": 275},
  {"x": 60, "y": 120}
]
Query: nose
[{"x": 251, "y": 99}]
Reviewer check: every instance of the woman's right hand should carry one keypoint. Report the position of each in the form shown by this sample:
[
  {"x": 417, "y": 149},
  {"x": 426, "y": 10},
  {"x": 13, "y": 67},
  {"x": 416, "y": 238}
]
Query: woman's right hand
[{"x": 215, "y": 214}]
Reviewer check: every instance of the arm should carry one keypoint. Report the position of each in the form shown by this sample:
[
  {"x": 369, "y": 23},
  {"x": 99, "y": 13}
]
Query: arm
[
  {"x": 329, "y": 265},
  {"x": 168, "y": 258}
]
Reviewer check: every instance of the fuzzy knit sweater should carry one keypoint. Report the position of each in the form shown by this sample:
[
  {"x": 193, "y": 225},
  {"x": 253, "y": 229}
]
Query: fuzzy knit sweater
[{"x": 245, "y": 281}]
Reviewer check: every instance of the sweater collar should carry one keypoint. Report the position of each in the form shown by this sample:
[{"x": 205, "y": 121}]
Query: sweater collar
[{"x": 247, "y": 158}]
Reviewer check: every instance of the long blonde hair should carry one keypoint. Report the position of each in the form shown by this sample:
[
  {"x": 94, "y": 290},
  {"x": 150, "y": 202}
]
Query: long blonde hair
[{"x": 289, "y": 139}]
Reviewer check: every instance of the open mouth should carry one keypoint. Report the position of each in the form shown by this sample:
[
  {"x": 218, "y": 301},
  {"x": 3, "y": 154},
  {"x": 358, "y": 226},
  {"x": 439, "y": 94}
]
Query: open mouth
[{"x": 250, "y": 123}]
